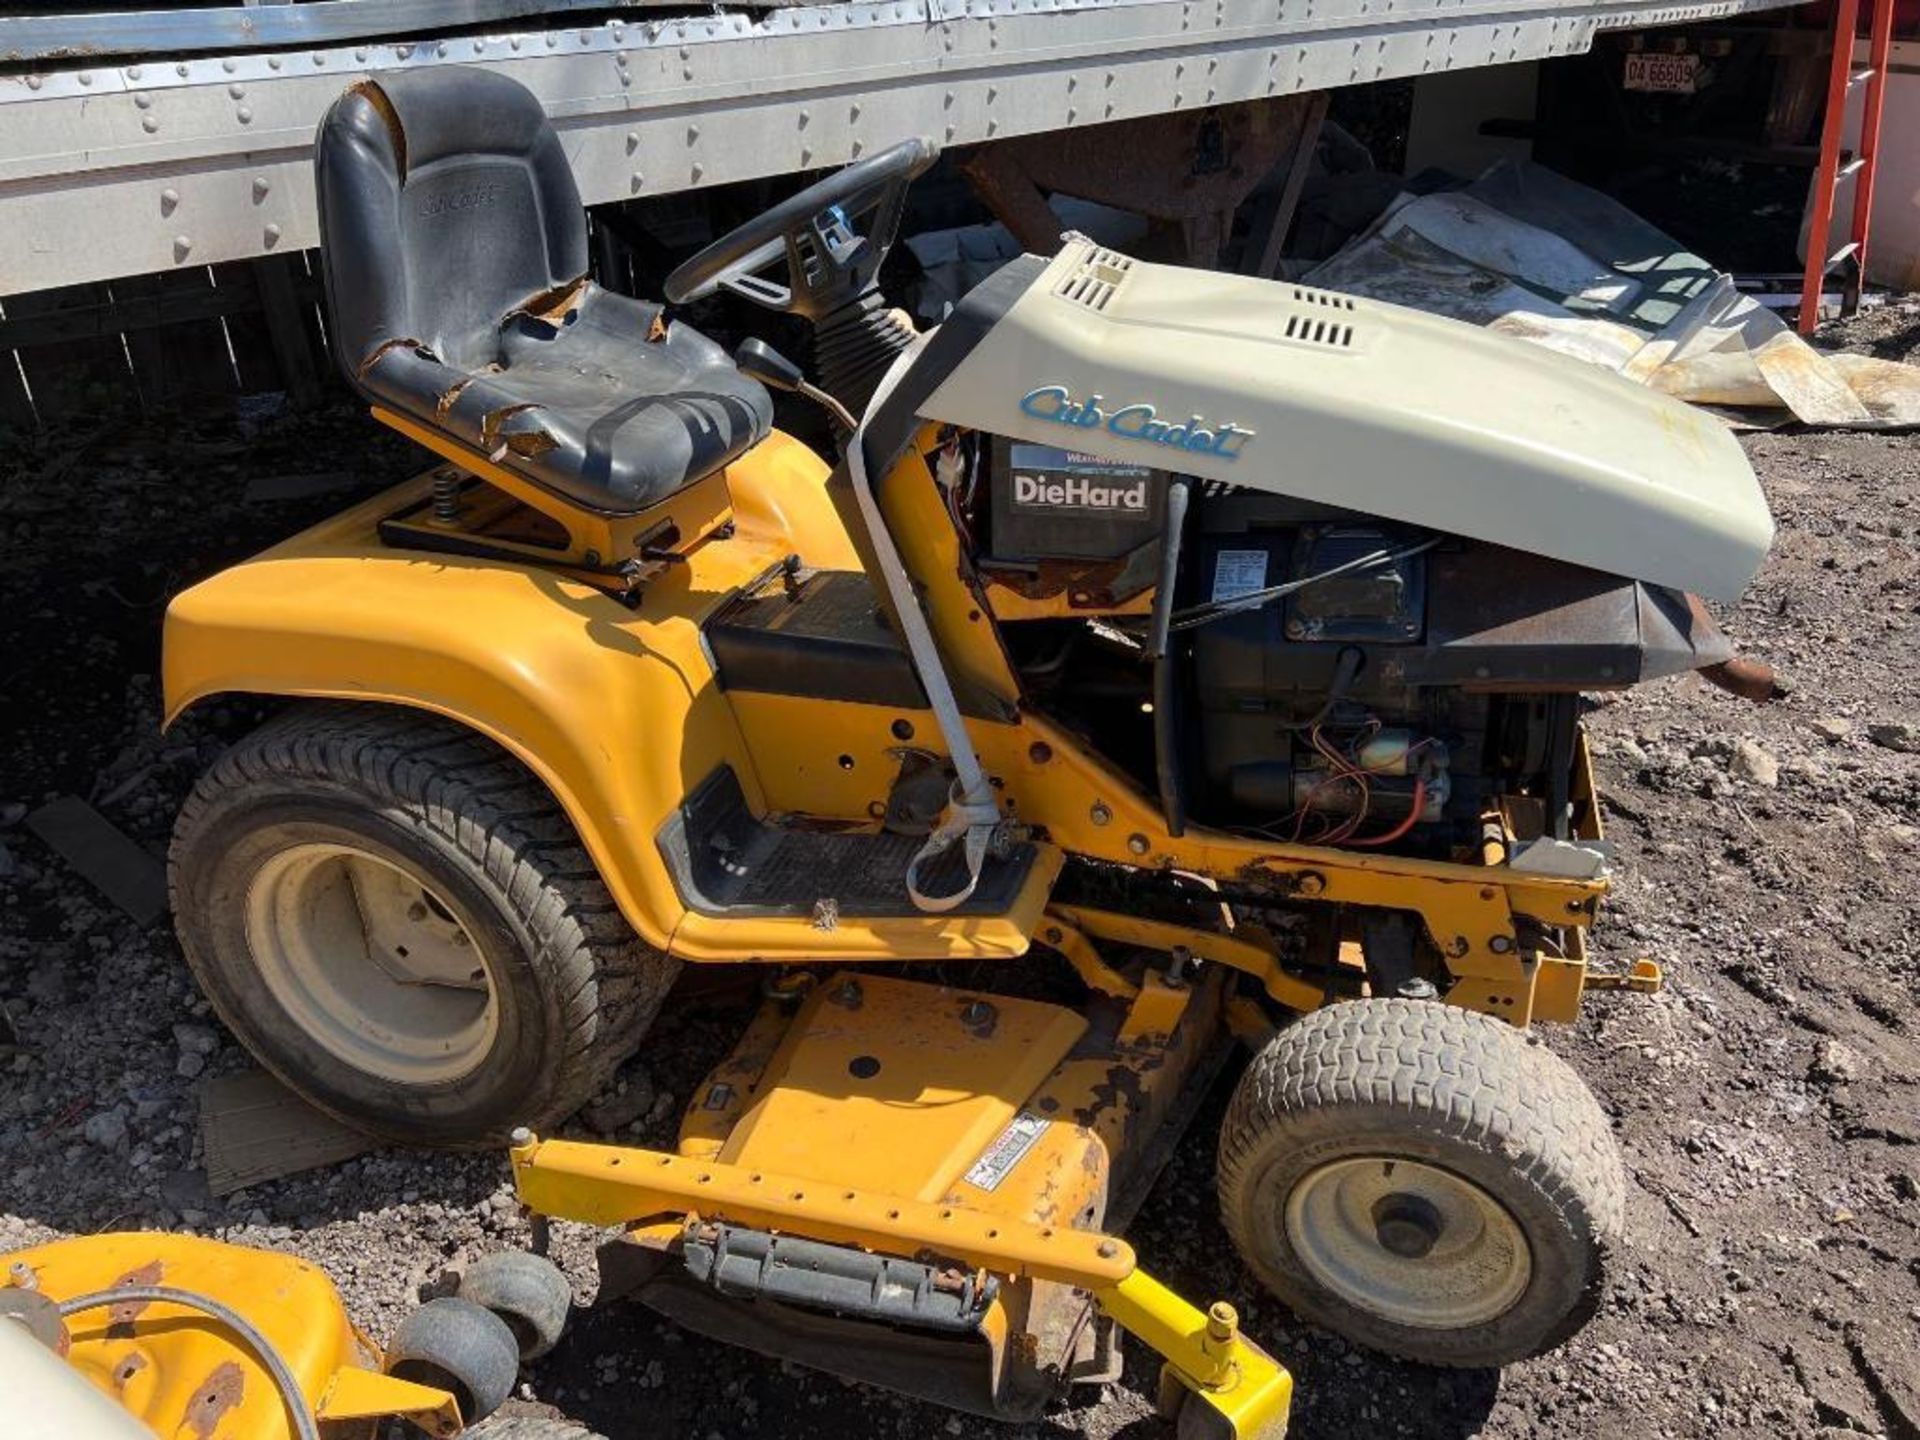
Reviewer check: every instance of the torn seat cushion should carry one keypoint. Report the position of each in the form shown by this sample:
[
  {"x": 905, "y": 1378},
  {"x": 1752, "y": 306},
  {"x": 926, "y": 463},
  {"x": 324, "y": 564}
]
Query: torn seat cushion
[{"x": 456, "y": 250}]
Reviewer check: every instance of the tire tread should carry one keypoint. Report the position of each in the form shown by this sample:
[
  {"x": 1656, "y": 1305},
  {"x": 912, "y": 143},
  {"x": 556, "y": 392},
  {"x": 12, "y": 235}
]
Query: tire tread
[
  {"x": 1447, "y": 1073},
  {"x": 427, "y": 771}
]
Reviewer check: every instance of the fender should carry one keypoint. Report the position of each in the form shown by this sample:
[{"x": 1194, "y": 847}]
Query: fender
[{"x": 614, "y": 709}]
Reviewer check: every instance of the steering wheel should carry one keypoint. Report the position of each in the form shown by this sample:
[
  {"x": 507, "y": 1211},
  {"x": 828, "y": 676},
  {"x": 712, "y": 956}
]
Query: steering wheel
[{"x": 829, "y": 263}]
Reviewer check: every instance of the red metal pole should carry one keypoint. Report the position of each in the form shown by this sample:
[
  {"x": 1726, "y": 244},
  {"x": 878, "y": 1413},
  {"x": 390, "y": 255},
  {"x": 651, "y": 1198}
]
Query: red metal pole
[{"x": 1846, "y": 21}]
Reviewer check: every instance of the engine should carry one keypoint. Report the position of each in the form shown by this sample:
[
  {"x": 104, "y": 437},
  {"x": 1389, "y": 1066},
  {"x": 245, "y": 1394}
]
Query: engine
[{"x": 1326, "y": 677}]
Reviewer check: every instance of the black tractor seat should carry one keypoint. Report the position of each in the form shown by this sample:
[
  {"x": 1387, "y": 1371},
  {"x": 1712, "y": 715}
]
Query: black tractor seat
[{"x": 455, "y": 249}]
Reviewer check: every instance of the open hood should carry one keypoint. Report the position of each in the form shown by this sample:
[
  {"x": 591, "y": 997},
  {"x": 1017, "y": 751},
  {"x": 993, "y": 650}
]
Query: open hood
[{"x": 1368, "y": 406}]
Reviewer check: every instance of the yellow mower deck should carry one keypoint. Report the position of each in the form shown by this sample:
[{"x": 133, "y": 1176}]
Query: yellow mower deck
[
  {"x": 183, "y": 1371},
  {"x": 991, "y": 1141}
]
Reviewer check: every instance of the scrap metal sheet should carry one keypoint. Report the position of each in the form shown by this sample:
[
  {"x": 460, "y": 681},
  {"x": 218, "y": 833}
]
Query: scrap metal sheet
[{"x": 1540, "y": 257}]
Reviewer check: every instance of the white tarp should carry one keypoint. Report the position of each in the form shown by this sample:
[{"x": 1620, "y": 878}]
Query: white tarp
[{"x": 1532, "y": 254}]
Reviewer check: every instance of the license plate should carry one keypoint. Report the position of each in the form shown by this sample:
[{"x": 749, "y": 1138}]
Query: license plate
[{"x": 1669, "y": 74}]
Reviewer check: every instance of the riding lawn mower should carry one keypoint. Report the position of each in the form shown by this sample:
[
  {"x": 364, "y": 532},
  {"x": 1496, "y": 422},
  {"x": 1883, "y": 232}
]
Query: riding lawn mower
[{"x": 1162, "y": 662}]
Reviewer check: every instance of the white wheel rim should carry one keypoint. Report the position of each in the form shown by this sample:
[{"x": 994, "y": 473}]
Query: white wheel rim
[
  {"x": 371, "y": 964},
  {"x": 1408, "y": 1242}
]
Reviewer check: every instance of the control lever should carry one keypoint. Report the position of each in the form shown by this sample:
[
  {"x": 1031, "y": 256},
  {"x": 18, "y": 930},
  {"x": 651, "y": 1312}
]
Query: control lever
[{"x": 760, "y": 361}]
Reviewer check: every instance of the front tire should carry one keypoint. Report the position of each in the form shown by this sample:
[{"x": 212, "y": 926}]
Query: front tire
[
  {"x": 1427, "y": 1181},
  {"x": 399, "y": 922}
]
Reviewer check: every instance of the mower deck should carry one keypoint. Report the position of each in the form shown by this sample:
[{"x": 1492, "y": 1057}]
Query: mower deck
[{"x": 937, "y": 1170}]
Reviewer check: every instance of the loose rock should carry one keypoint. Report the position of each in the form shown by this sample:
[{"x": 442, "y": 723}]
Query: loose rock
[
  {"x": 1896, "y": 735},
  {"x": 1838, "y": 1063},
  {"x": 1753, "y": 763},
  {"x": 107, "y": 1129}
]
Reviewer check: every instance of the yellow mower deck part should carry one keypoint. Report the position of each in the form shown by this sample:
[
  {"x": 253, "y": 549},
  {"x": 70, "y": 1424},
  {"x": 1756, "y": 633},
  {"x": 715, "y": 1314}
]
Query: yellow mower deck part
[
  {"x": 1205, "y": 1353},
  {"x": 1207, "y": 1357},
  {"x": 1643, "y": 977},
  {"x": 612, "y": 1185},
  {"x": 184, "y": 1373}
]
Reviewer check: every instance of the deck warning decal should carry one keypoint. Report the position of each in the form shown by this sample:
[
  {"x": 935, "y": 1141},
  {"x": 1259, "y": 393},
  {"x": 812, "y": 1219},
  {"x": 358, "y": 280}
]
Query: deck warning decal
[{"x": 1005, "y": 1152}]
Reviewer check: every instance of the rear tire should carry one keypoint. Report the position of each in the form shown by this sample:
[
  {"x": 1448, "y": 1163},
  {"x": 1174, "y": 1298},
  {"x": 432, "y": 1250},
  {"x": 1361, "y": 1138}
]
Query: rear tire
[
  {"x": 397, "y": 919},
  {"x": 1424, "y": 1180}
]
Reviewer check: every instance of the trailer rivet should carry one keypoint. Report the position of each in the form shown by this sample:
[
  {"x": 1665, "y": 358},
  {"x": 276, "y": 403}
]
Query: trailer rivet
[
  {"x": 181, "y": 245},
  {"x": 1138, "y": 844},
  {"x": 1311, "y": 883},
  {"x": 1100, "y": 814},
  {"x": 143, "y": 101},
  {"x": 244, "y": 115},
  {"x": 1500, "y": 945},
  {"x": 1106, "y": 1250},
  {"x": 261, "y": 187}
]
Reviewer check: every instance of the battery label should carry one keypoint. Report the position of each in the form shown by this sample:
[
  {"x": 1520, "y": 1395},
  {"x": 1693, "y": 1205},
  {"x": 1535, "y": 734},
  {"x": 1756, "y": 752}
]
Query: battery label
[
  {"x": 1005, "y": 1152},
  {"x": 1239, "y": 572},
  {"x": 1045, "y": 478}
]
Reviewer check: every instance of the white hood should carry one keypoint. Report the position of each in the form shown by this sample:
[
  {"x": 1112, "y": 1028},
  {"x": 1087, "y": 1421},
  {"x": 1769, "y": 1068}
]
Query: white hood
[{"x": 1368, "y": 406}]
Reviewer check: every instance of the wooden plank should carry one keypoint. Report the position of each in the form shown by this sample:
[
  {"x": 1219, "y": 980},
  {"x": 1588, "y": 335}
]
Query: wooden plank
[
  {"x": 104, "y": 855},
  {"x": 252, "y": 1128},
  {"x": 289, "y": 326},
  {"x": 199, "y": 360},
  {"x": 1268, "y": 234},
  {"x": 74, "y": 375},
  {"x": 256, "y": 356},
  {"x": 51, "y": 317},
  {"x": 146, "y": 345},
  {"x": 16, "y": 405}
]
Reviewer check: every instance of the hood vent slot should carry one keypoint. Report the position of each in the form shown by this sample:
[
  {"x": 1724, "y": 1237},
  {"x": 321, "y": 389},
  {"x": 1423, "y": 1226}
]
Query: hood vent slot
[
  {"x": 1302, "y": 295},
  {"x": 1092, "y": 283},
  {"x": 1311, "y": 330}
]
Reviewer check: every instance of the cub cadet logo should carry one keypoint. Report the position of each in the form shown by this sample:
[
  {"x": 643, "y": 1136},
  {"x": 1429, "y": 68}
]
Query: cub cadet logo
[
  {"x": 472, "y": 198},
  {"x": 1138, "y": 421},
  {"x": 1078, "y": 492}
]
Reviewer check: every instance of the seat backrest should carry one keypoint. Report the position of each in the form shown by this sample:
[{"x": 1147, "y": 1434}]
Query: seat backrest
[{"x": 445, "y": 202}]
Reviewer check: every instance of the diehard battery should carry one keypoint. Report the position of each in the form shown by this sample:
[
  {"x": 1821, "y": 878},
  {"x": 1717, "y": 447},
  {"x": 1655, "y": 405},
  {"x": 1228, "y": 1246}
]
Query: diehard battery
[{"x": 1051, "y": 504}]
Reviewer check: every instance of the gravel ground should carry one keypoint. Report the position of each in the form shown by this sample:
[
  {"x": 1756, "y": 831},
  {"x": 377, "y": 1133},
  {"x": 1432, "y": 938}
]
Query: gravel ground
[{"x": 1768, "y": 1102}]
